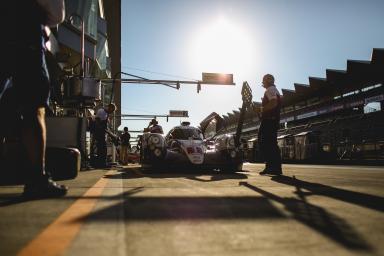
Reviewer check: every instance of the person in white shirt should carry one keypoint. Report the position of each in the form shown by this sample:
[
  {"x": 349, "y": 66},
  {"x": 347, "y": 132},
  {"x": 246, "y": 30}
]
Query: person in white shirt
[
  {"x": 100, "y": 132},
  {"x": 270, "y": 121}
]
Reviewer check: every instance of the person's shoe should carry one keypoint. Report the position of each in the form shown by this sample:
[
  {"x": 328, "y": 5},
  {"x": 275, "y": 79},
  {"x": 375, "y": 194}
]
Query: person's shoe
[
  {"x": 268, "y": 171},
  {"x": 102, "y": 166},
  {"x": 275, "y": 172},
  {"x": 45, "y": 189},
  {"x": 265, "y": 172}
]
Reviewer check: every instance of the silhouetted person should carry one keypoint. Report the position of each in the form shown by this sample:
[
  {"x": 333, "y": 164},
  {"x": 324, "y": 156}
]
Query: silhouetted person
[
  {"x": 270, "y": 121},
  {"x": 125, "y": 146},
  {"x": 23, "y": 61},
  {"x": 100, "y": 131},
  {"x": 154, "y": 127}
]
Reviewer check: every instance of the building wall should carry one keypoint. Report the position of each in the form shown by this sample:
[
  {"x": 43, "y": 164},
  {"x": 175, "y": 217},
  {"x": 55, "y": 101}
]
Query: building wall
[{"x": 113, "y": 16}]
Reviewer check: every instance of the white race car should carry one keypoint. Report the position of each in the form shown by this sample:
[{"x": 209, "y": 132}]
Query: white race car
[{"x": 185, "y": 146}]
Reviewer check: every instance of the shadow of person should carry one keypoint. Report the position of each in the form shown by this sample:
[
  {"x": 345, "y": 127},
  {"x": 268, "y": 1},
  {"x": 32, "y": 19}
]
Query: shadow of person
[
  {"x": 358, "y": 198},
  {"x": 217, "y": 176},
  {"x": 192, "y": 174},
  {"x": 318, "y": 219},
  {"x": 11, "y": 199},
  {"x": 145, "y": 208}
]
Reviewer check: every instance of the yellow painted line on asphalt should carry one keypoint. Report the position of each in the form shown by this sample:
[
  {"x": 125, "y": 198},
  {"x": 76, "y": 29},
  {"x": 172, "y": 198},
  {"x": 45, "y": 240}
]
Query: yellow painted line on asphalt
[{"x": 57, "y": 237}]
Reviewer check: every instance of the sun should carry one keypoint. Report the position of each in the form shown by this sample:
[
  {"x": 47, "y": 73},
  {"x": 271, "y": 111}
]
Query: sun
[{"x": 222, "y": 46}]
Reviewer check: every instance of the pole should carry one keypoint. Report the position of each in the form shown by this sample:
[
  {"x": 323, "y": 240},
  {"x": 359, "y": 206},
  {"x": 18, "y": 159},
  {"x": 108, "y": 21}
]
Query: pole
[
  {"x": 113, "y": 145},
  {"x": 240, "y": 124},
  {"x": 82, "y": 50}
]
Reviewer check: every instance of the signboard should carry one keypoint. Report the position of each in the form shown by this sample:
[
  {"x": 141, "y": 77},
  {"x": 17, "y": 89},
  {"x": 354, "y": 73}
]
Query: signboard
[
  {"x": 178, "y": 113},
  {"x": 217, "y": 78}
]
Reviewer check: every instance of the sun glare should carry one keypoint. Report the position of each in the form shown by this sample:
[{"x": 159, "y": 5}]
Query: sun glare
[{"x": 222, "y": 46}]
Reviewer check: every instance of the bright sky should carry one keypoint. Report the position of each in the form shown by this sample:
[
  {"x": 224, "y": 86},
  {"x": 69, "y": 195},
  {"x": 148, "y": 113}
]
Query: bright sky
[{"x": 290, "y": 39}]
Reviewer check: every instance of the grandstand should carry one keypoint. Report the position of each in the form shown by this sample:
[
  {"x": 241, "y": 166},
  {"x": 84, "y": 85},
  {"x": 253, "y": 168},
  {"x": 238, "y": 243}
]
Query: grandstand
[{"x": 341, "y": 113}]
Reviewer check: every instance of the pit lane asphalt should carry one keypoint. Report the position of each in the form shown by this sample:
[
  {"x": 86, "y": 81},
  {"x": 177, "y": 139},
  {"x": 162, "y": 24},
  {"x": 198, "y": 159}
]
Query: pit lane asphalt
[{"x": 311, "y": 210}]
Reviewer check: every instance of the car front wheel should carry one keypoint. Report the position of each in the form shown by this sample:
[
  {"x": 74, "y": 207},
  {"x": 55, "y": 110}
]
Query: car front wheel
[{"x": 232, "y": 168}]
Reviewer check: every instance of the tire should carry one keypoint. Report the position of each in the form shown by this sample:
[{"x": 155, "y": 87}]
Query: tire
[{"x": 233, "y": 168}]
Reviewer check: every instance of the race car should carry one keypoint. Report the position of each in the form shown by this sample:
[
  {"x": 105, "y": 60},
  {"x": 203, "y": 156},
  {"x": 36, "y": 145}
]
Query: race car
[{"x": 185, "y": 146}]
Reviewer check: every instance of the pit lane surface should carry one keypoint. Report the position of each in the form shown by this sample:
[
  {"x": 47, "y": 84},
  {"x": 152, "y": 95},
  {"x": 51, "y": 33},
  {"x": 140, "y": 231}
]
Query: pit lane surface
[{"x": 311, "y": 210}]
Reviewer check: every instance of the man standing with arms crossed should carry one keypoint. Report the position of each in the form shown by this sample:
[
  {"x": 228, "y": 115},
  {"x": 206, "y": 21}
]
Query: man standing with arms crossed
[{"x": 270, "y": 121}]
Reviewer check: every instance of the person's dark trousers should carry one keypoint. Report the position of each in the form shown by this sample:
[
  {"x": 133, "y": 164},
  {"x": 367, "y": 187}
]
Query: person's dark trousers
[
  {"x": 101, "y": 143},
  {"x": 101, "y": 148},
  {"x": 268, "y": 144}
]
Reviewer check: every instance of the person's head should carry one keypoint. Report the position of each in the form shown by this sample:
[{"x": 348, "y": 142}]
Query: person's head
[
  {"x": 111, "y": 108},
  {"x": 125, "y": 129},
  {"x": 153, "y": 122},
  {"x": 268, "y": 80}
]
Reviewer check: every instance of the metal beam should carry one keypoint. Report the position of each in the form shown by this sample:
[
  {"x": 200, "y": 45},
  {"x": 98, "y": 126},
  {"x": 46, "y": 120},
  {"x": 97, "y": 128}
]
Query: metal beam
[
  {"x": 136, "y": 119},
  {"x": 130, "y": 115},
  {"x": 150, "y": 81}
]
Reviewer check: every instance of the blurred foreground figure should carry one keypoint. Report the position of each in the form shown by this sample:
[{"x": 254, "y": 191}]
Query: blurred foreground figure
[{"x": 23, "y": 62}]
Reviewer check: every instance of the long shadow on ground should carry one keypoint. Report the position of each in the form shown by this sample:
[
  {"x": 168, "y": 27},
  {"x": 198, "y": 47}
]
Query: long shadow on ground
[
  {"x": 358, "y": 198},
  {"x": 257, "y": 207},
  {"x": 318, "y": 219},
  {"x": 192, "y": 174}
]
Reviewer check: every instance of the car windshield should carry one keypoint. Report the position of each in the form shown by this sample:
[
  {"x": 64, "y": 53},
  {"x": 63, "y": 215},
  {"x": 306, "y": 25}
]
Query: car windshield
[{"x": 185, "y": 134}]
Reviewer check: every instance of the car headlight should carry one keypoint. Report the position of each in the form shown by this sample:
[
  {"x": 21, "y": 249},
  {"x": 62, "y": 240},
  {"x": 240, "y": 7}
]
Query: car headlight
[
  {"x": 157, "y": 152},
  {"x": 231, "y": 142},
  {"x": 154, "y": 140}
]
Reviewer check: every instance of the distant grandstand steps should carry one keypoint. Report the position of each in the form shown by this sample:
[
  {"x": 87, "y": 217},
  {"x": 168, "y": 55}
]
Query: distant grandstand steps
[
  {"x": 337, "y": 78},
  {"x": 236, "y": 114},
  {"x": 301, "y": 88},
  {"x": 317, "y": 82},
  {"x": 378, "y": 56},
  {"x": 288, "y": 92},
  {"x": 335, "y": 74},
  {"x": 230, "y": 115},
  {"x": 357, "y": 65}
]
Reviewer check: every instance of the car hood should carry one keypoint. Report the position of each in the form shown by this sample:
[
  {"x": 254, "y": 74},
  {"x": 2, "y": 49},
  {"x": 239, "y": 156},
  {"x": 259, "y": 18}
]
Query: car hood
[{"x": 194, "y": 150}]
